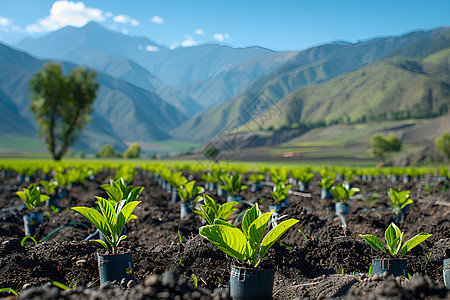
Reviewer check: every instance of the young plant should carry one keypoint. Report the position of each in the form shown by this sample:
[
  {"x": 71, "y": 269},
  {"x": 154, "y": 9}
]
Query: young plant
[
  {"x": 326, "y": 182},
  {"x": 50, "y": 187},
  {"x": 399, "y": 200},
  {"x": 211, "y": 210},
  {"x": 255, "y": 178},
  {"x": 117, "y": 190},
  {"x": 248, "y": 245},
  {"x": 342, "y": 192},
  {"x": 32, "y": 196},
  {"x": 188, "y": 191},
  {"x": 278, "y": 175},
  {"x": 110, "y": 220},
  {"x": 394, "y": 238},
  {"x": 232, "y": 184},
  {"x": 280, "y": 192}
]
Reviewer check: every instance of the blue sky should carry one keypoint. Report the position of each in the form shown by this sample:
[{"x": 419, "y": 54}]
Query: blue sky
[{"x": 278, "y": 25}]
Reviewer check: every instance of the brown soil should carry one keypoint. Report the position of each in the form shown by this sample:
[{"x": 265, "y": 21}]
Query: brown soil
[{"x": 310, "y": 267}]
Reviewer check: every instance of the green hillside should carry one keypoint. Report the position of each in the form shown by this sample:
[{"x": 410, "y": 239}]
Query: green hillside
[{"x": 396, "y": 88}]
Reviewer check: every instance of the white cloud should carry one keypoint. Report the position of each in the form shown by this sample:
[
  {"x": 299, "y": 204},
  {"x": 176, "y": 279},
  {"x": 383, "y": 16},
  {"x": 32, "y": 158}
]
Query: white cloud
[
  {"x": 188, "y": 41},
  {"x": 199, "y": 31},
  {"x": 151, "y": 48},
  {"x": 64, "y": 13},
  {"x": 124, "y": 19},
  {"x": 5, "y": 21},
  {"x": 173, "y": 45},
  {"x": 109, "y": 14},
  {"x": 221, "y": 36},
  {"x": 124, "y": 31},
  {"x": 157, "y": 19}
]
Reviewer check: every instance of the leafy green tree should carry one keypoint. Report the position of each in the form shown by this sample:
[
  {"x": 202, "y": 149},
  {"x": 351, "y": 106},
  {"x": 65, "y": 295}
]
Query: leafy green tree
[
  {"x": 443, "y": 144},
  {"x": 382, "y": 145},
  {"x": 133, "y": 151},
  {"x": 62, "y": 104},
  {"x": 107, "y": 151},
  {"x": 211, "y": 152}
]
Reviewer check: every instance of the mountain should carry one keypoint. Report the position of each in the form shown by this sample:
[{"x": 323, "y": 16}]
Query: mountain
[
  {"x": 122, "y": 112},
  {"x": 311, "y": 66},
  {"x": 173, "y": 67},
  {"x": 392, "y": 89}
]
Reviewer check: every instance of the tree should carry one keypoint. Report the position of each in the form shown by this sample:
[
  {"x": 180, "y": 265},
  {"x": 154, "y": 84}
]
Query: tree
[
  {"x": 62, "y": 104},
  {"x": 382, "y": 145},
  {"x": 107, "y": 151},
  {"x": 443, "y": 144},
  {"x": 211, "y": 152},
  {"x": 133, "y": 151}
]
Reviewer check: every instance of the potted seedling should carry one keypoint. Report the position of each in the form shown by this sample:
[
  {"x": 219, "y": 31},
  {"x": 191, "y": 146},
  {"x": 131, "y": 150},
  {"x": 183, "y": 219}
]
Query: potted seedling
[
  {"x": 280, "y": 194},
  {"x": 395, "y": 265},
  {"x": 187, "y": 192},
  {"x": 278, "y": 175},
  {"x": 248, "y": 246},
  {"x": 232, "y": 185},
  {"x": 400, "y": 202},
  {"x": 50, "y": 189},
  {"x": 325, "y": 185},
  {"x": 304, "y": 178},
  {"x": 256, "y": 182},
  {"x": 32, "y": 197},
  {"x": 176, "y": 180},
  {"x": 211, "y": 210},
  {"x": 208, "y": 178},
  {"x": 342, "y": 193},
  {"x": 117, "y": 191},
  {"x": 111, "y": 220},
  {"x": 63, "y": 182}
]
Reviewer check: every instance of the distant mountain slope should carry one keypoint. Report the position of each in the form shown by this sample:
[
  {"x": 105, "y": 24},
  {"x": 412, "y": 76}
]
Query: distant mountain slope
[
  {"x": 122, "y": 112},
  {"x": 308, "y": 67},
  {"x": 174, "y": 67},
  {"x": 391, "y": 89}
]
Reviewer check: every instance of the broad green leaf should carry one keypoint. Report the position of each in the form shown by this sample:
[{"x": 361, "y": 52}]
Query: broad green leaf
[
  {"x": 413, "y": 242},
  {"x": 128, "y": 210},
  {"x": 108, "y": 211},
  {"x": 203, "y": 214},
  {"x": 100, "y": 243},
  {"x": 226, "y": 209},
  {"x": 94, "y": 217},
  {"x": 134, "y": 194},
  {"x": 407, "y": 202},
  {"x": 249, "y": 217},
  {"x": 228, "y": 239},
  {"x": 391, "y": 235},
  {"x": 274, "y": 235},
  {"x": 374, "y": 242},
  {"x": 225, "y": 223},
  {"x": 43, "y": 198},
  {"x": 255, "y": 234}
]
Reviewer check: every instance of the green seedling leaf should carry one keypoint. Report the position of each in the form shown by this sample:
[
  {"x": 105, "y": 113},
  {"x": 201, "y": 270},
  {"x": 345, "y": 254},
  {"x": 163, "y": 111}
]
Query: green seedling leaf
[
  {"x": 61, "y": 285},
  {"x": 179, "y": 237},
  {"x": 274, "y": 235},
  {"x": 230, "y": 240},
  {"x": 374, "y": 242},
  {"x": 413, "y": 242},
  {"x": 100, "y": 243},
  {"x": 194, "y": 278}
]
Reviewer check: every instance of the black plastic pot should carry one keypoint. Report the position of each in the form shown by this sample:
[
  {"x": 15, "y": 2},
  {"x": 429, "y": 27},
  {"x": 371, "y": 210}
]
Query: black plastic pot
[
  {"x": 279, "y": 206},
  {"x": 256, "y": 187},
  {"x": 302, "y": 186},
  {"x": 52, "y": 201},
  {"x": 31, "y": 221},
  {"x": 249, "y": 283},
  {"x": 325, "y": 194},
  {"x": 185, "y": 209},
  {"x": 342, "y": 208},
  {"x": 231, "y": 198},
  {"x": 115, "y": 267},
  {"x": 396, "y": 267},
  {"x": 175, "y": 196},
  {"x": 446, "y": 271}
]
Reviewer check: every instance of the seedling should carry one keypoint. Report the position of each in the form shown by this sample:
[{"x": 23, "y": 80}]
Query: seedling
[
  {"x": 32, "y": 196},
  {"x": 24, "y": 240},
  {"x": 211, "y": 210},
  {"x": 117, "y": 190},
  {"x": 247, "y": 245},
  {"x": 304, "y": 235},
  {"x": 278, "y": 176},
  {"x": 50, "y": 187},
  {"x": 110, "y": 220},
  {"x": 255, "y": 178},
  {"x": 326, "y": 183},
  {"x": 194, "y": 278},
  {"x": 9, "y": 290},
  {"x": 399, "y": 200},
  {"x": 280, "y": 192},
  {"x": 394, "y": 238},
  {"x": 232, "y": 184},
  {"x": 342, "y": 192}
]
